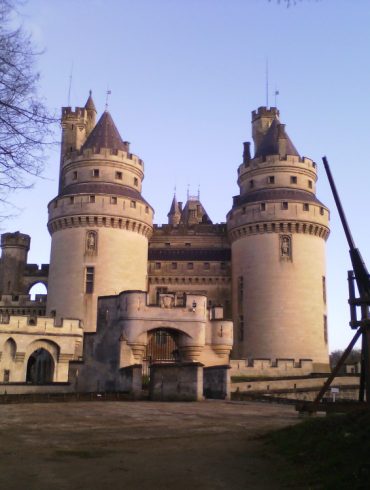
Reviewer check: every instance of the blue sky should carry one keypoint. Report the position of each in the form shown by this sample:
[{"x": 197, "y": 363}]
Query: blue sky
[{"x": 185, "y": 76}]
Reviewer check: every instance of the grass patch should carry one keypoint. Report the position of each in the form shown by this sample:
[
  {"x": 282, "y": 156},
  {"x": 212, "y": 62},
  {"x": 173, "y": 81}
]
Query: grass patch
[{"x": 327, "y": 453}]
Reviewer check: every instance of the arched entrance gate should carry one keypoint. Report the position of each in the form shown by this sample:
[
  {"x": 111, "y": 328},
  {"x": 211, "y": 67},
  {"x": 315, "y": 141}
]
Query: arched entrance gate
[{"x": 162, "y": 347}]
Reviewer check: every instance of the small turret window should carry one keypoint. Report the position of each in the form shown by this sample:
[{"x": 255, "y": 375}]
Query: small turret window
[
  {"x": 174, "y": 265},
  {"x": 92, "y": 199},
  {"x": 74, "y": 176},
  {"x": 322, "y": 211},
  {"x": 306, "y": 207},
  {"x": 263, "y": 206},
  {"x": 207, "y": 265},
  {"x": 89, "y": 285},
  {"x": 147, "y": 209},
  {"x": 293, "y": 179},
  {"x": 133, "y": 204},
  {"x": 157, "y": 265},
  {"x": 96, "y": 172},
  {"x": 119, "y": 175},
  {"x": 113, "y": 200},
  {"x": 190, "y": 265},
  {"x": 71, "y": 200},
  {"x": 284, "y": 205},
  {"x": 251, "y": 184},
  {"x": 310, "y": 184},
  {"x": 136, "y": 181},
  {"x": 271, "y": 179}
]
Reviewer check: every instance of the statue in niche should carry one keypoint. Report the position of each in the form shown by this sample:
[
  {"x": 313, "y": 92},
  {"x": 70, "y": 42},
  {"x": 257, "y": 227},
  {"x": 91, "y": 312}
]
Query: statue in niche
[
  {"x": 286, "y": 246},
  {"x": 91, "y": 241}
]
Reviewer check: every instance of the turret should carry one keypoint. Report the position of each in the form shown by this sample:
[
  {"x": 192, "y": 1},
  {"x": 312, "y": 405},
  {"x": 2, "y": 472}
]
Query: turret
[
  {"x": 174, "y": 213},
  {"x": 261, "y": 121},
  {"x": 15, "y": 247}
]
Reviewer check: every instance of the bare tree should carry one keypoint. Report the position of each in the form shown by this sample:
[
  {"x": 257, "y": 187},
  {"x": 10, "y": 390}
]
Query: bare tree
[{"x": 25, "y": 124}]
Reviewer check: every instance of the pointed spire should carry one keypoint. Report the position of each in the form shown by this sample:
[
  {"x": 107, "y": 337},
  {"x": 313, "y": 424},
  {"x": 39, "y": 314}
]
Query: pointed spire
[
  {"x": 276, "y": 142},
  {"x": 174, "y": 214},
  {"x": 105, "y": 135},
  {"x": 90, "y": 106}
]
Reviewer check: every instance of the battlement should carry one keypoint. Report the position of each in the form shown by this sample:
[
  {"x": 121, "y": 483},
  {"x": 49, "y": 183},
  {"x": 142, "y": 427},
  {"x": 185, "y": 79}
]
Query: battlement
[
  {"x": 271, "y": 367},
  {"x": 15, "y": 239},
  {"x": 264, "y": 111},
  {"x": 22, "y": 300},
  {"x": 36, "y": 325},
  {"x": 103, "y": 153},
  {"x": 78, "y": 112},
  {"x": 37, "y": 270}
]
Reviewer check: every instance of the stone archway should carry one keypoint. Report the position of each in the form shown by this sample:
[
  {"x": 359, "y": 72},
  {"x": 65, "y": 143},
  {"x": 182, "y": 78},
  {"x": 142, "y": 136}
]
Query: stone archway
[{"x": 40, "y": 367}]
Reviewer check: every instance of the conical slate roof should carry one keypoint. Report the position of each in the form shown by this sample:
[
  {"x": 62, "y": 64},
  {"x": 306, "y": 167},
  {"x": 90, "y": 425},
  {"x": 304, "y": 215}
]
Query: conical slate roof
[
  {"x": 174, "y": 207},
  {"x": 90, "y": 103},
  {"x": 105, "y": 135},
  {"x": 276, "y": 142}
]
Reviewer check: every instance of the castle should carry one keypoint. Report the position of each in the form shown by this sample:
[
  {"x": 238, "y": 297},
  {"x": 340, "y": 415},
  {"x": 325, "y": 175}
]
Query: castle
[{"x": 124, "y": 292}]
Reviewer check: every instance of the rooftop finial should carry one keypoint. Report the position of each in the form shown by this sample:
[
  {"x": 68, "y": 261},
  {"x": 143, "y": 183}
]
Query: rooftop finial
[
  {"x": 70, "y": 86},
  {"x": 106, "y": 99},
  {"x": 267, "y": 82},
  {"x": 187, "y": 193},
  {"x": 276, "y": 94},
  {"x": 199, "y": 192}
]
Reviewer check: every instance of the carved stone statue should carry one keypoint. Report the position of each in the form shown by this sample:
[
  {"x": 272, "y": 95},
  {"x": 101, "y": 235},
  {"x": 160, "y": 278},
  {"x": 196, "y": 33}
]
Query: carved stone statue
[
  {"x": 91, "y": 241},
  {"x": 286, "y": 248}
]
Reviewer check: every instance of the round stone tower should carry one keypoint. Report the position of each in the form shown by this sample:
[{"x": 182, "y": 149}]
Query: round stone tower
[
  {"x": 15, "y": 247},
  {"x": 99, "y": 222},
  {"x": 277, "y": 229}
]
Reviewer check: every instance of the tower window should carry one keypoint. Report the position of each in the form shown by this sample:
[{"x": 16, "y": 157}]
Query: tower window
[
  {"x": 222, "y": 266},
  {"x": 284, "y": 205},
  {"x": 92, "y": 199},
  {"x": 325, "y": 329},
  {"x": 174, "y": 265},
  {"x": 56, "y": 203},
  {"x": 167, "y": 244},
  {"x": 119, "y": 175},
  {"x": 71, "y": 200},
  {"x": 207, "y": 266},
  {"x": 306, "y": 207},
  {"x": 89, "y": 280},
  {"x": 133, "y": 204},
  {"x": 96, "y": 172},
  {"x": 113, "y": 200},
  {"x": 147, "y": 209},
  {"x": 136, "y": 181},
  {"x": 324, "y": 288},
  {"x": 322, "y": 211},
  {"x": 187, "y": 244},
  {"x": 310, "y": 184},
  {"x": 190, "y": 265},
  {"x": 74, "y": 176},
  {"x": 251, "y": 184},
  {"x": 157, "y": 265},
  {"x": 293, "y": 179},
  {"x": 263, "y": 206},
  {"x": 271, "y": 179}
]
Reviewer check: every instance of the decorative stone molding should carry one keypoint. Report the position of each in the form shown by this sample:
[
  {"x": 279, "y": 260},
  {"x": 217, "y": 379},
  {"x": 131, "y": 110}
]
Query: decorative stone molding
[
  {"x": 309, "y": 228},
  {"x": 82, "y": 221}
]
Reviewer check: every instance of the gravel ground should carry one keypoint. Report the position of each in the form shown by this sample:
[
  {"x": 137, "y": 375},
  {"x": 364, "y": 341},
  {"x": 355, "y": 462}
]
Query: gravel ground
[{"x": 140, "y": 445}]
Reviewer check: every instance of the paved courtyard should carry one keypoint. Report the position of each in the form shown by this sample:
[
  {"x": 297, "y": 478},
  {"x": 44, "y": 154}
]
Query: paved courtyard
[{"x": 140, "y": 445}]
